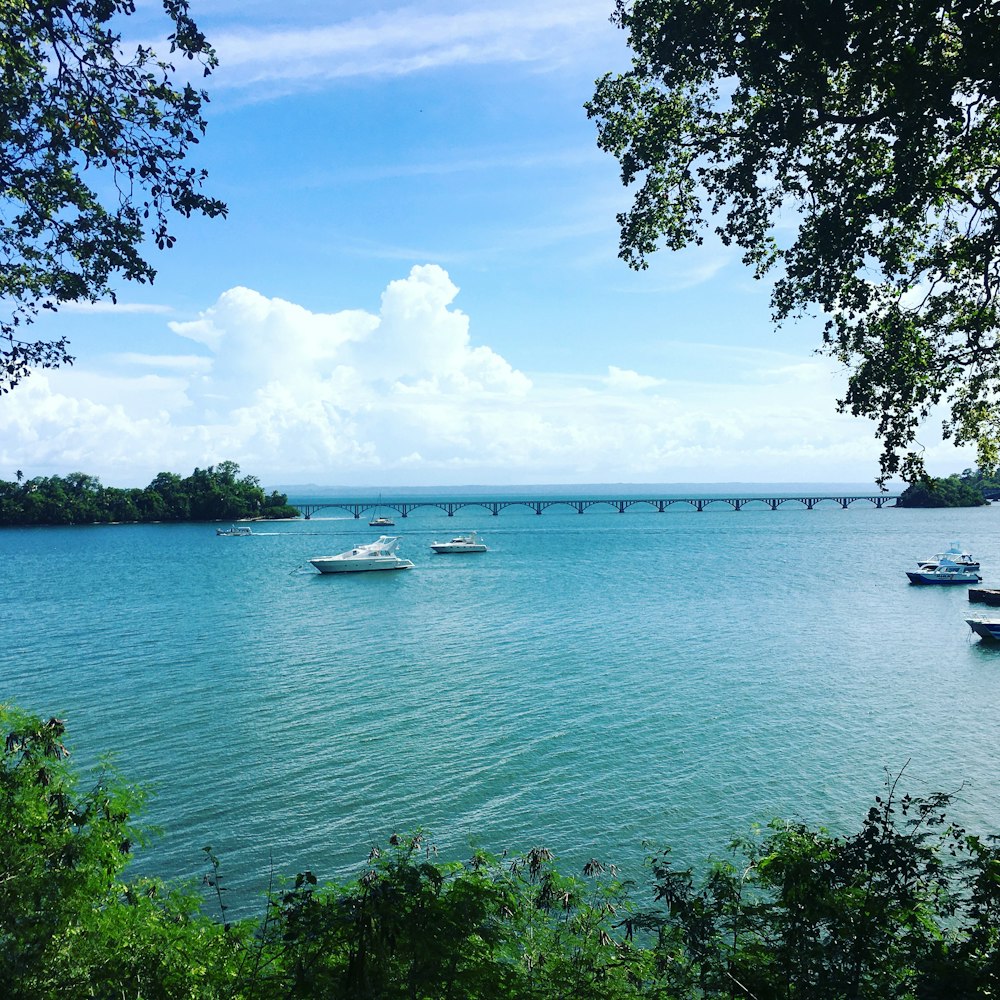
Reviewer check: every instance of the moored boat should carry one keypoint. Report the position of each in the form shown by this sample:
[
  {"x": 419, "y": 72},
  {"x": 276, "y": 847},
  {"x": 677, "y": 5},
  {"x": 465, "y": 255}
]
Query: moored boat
[
  {"x": 953, "y": 555},
  {"x": 377, "y": 555},
  {"x": 460, "y": 543},
  {"x": 985, "y": 596},
  {"x": 381, "y": 520},
  {"x": 985, "y": 628},
  {"x": 944, "y": 573}
]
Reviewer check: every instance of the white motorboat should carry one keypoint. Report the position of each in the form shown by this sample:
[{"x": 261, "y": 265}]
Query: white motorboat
[
  {"x": 380, "y": 554},
  {"x": 460, "y": 543},
  {"x": 944, "y": 573},
  {"x": 236, "y": 531},
  {"x": 985, "y": 628},
  {"x": 953, "y": 555}
]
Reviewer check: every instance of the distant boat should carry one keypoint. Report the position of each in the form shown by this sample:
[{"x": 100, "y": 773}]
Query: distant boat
[
  {"x": 377, "y": 555},
  {"x": 944, "y": 573},
  {"x": 953, "y": 555},
  {"x": 988, "y": 629},
  {"x": 381, "y": 521},
  {"x": 460, "y": 543},
  {"x": 236, "y": 531}
]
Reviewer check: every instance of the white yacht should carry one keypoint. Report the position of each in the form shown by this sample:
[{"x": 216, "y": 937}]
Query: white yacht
[
  {"x": 460, "y": 543},
  {"x": 944, "y": 573},
  {"x": 380, "y": 554},
  {"x": 236, "y": 531},
  {"x": 953, "y": 555}
]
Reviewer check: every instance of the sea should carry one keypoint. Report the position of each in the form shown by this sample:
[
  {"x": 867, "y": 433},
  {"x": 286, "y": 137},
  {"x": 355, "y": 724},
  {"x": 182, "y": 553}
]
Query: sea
[{"x": 601, "y": 684}]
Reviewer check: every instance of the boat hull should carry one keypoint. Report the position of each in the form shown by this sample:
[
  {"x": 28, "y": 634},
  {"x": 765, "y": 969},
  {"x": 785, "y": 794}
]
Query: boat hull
[
  {"x": 988, "y": 630},
  {"x": 358, "y": 565},
  {"x": 951, "y": 580},
  {"x": 447, "y": 548}
]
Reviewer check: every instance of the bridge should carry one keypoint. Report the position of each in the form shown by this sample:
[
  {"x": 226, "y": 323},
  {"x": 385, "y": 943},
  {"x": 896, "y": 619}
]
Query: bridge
[{"x": 404, "y": 507}]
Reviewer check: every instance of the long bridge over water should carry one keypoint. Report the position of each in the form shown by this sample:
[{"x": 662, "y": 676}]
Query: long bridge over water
[{"x": 450, "y": 507}]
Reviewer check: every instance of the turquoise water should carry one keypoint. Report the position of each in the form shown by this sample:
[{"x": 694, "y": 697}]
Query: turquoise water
[{"x": 592, "y": 682}]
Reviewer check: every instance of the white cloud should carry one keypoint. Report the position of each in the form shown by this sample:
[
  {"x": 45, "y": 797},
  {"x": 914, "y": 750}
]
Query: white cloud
[
  {"x": 622, "y": 378},
  {"x": 173, "y": 362},
  {"x": 405, "y": 40},
  {"x": 406, "y": 396},
  {"x": 106, "y": 306}
]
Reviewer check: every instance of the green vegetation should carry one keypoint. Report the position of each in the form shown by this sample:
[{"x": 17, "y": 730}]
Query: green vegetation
[
  {"x": 212, "y": 494},
  {"x": 907, "y": 907},
  {"x": 951, "y": 491},
  {"x": 93, "y": 159},
  {"x": 849, "y": 150}
]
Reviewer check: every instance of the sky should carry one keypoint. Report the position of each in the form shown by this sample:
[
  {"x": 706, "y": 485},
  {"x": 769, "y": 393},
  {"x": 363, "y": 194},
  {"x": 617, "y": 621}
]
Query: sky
[{"x": 418, "y": 283}]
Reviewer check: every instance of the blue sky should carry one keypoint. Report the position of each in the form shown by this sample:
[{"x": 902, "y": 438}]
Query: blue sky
[{"x": 418, "y": 283}]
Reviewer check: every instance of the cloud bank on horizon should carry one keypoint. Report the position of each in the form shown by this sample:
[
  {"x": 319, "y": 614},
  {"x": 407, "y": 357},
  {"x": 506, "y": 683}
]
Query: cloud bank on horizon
[{"x": 403, "y": 395}]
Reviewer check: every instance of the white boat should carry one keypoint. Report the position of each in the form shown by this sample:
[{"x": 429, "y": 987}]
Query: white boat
[
  {"x": 380, "y": 520},
  {"x": 944, "y": 573},
  {"x": 236, "y": 531},
  {"x": 954, "y": 555},
  {"x": 460, "y": 543},
  {"x": 380, "y": 554},
  {"x": 985, "y": 628}
]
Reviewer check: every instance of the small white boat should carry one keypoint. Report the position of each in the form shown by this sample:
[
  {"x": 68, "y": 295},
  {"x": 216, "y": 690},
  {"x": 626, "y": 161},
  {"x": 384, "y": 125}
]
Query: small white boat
[
  {"x": 953, "y": 555},
  {"x": 380, "y": 520},
  {"x": 236, "y": 531},
  {"x": 985, "y": 628},
  {"x": 460, "y": 543},
  {"x": 944, "y": 573},
  {"x": 380, "y": 554}
]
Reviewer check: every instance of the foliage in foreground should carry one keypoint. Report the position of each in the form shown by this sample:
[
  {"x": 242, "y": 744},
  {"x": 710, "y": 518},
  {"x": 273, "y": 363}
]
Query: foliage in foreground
[
  {"x": 212, "y": 494},
  {"x": 909, "y": 906}
]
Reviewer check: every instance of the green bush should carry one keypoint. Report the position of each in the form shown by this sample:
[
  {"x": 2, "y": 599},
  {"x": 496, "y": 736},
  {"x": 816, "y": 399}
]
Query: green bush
[{"x": 907, "y": 907}]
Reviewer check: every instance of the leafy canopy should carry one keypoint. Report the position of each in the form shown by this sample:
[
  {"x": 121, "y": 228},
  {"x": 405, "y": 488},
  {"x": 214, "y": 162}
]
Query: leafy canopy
[
  {"x": 874, "y": 129},
  {"x": 93, "y": 142}
]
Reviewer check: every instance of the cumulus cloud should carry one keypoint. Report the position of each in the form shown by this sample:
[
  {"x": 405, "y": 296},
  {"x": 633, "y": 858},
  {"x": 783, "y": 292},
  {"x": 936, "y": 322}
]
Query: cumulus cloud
[{"x": 405, "y": 395}]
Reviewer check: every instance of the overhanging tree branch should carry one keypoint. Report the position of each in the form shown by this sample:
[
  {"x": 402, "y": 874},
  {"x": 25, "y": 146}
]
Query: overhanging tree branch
[{"x": 81, "y": 115}]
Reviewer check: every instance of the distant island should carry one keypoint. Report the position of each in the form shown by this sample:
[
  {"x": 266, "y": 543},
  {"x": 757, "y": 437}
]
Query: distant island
[
  {"x": 970, "y": 489},
  {"x": 217, "y": 493}
]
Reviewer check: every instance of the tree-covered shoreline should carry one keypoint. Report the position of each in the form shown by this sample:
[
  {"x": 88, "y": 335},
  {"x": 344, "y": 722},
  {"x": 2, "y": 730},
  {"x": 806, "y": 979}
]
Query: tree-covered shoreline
[
  {"x": 965, "y": 490},
  {"x": 908, "y": 907},
  {"x": 217, "y": 493}
]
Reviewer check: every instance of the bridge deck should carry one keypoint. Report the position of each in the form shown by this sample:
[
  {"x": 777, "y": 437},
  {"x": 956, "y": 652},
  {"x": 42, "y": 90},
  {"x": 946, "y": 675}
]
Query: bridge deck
[{"x": 404, "y": 507}]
